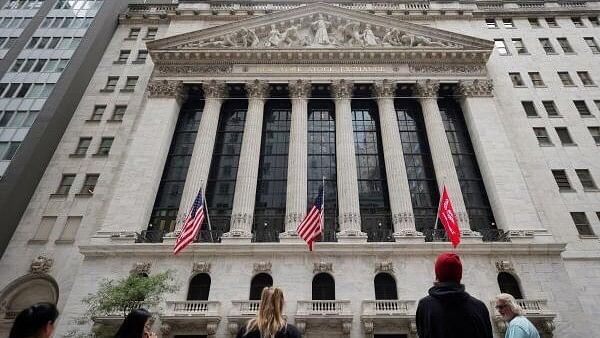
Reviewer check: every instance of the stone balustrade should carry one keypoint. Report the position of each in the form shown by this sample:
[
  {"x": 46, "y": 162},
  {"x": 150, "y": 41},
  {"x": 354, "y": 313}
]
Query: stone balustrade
[
  {"x": 536, "y": 310},
  {"x": 388, "y": 307},
  {"x": 193, "y": 308},
  {"x": 323, "y": 307},
  {"x": 244, "y": 307}
]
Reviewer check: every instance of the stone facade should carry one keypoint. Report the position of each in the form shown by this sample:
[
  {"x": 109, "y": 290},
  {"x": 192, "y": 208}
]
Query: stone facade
[{"x": 426, "y": 45}]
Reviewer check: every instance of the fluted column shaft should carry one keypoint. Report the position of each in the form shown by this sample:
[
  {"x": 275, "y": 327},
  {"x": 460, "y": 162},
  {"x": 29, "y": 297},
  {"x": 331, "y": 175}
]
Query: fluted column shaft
[
  {"x": 347, "y": 176},
  {"x": 297, "y": 179},
  {"x": 443, "y": 163},
  {"x": 199, "y": 168},
  {"x": 244, "y": 197},
  {"x": 397, "y": 180}
]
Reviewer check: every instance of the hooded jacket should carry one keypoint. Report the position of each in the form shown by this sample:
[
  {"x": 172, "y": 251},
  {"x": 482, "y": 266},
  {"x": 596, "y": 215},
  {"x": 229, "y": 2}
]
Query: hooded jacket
[{"x": 450, "y": 312}]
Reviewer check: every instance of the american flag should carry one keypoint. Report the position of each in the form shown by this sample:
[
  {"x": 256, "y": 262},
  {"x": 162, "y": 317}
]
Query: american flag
[
  {"x": 311, "y": 227},
  {"x": 191, "y": 225}
]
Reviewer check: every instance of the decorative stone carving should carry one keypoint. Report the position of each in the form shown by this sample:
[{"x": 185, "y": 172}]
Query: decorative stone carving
[
  {"x": 447, "y": 69},
  {"x": 342, "y": 89},
  {"x": 504, "y": 266},
  {"x": 469, "y": 233},
  {"x": 346, "y": 327},
  {"x": 211, "y": 328},
  {"x": 427, "y": 88},
  {"x": 300, "y": 89},
  {"x": 413, "y": 326},
  {"x": 368, "y": 326},
  {"x": 141, "y": 268},
  {"x": 214, "y": 89},
  {"x": 41, "y": 264},
  {"x": 257, "y": 89},
  {"x": 194, "y": 69},
  {"x": 386, "y": 266},
  {"x": 385, "y": 88},
  {"x": 239, "y": 221},
  {"x": 233, "y": 327},
  {"x": 262, "y": 267},
  {"x": 477, "y": 88},
  {"x": 165, "y": 329},
  {"x": 322, "y": 267},
  {"x": 301, "y": 325},
  {"x": 201, "y": 267},
  {"x": 548, "y": 326},
  {"x": 165, "y": 88},
  {"x": 520, "y": 233}
]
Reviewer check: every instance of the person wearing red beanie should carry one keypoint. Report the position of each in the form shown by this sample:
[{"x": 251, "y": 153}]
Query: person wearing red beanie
[{"x": 449, "y": 311}]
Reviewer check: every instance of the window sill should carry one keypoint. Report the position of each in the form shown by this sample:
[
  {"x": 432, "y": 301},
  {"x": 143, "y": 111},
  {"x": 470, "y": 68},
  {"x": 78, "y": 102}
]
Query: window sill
[
  {"x": 588, "y": 237},
  {"x": 99, "y": 155},
  {"x": 567, "y": 190},
  {"x": 58, "y": 195},
  {"x": 591, "y": 85},
  {"x": 130, "y": 39},
  {"x": 125, "y": 90},
  {"x": 524, "y": 53},
  {"x": 93, "y": 121},
  {"x": 523, "y": 86},
  {"x": 136, "y": 62},
  {"x": 591, "y": 190},
  {"x": 570, "y": 53},
  {"x": 113, "y": 121},
  {"x": 76, "y": 155},
  {"x": 546, "y": 145},
  {"x": 540, "y": 86},
  {"x": 37, "y": 241},
  {"x": 119, "y": 62},
  {"x": 64, "y": 241},
  {"x": 104, "y": 90},
  {"x": 533, "y": 117},
  {"x": 555, "y": 116},
  {"x": 572, "y": 86},
  {"x": 551, "y": 53},
  {"x": 84, "y": 194},
  {"x": 569, "y": 144},
  {"x": 148, "y": 39},
  {"x": 587, "y": 116}
]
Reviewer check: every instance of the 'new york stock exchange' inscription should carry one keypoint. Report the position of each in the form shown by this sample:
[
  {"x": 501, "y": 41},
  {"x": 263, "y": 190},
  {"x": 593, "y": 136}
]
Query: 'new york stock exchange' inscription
[{"x": 333, "y": 69}]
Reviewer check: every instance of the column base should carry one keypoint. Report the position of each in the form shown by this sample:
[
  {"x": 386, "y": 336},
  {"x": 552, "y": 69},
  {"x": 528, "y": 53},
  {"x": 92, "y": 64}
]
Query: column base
[
  {"x": 351, "y": 236},
  {"x": 409, "y": 236},
  {"x": 470, "y": 236},
  {"x": 290, "y": 237},
  {"x": 236, "y": 236}
]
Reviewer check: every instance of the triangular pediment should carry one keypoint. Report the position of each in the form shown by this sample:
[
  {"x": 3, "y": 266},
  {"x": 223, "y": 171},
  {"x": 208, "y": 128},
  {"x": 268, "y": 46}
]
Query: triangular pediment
[{"x": 320, "y": 27}]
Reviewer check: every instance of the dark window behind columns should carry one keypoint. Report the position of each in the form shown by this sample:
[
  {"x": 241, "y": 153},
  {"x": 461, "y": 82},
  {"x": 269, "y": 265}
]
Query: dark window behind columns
[
  {"x": 269, "y": 210},
  {"x": 171, "y": 185},
  {"x": 417, "y": 158},
  {"x": 225, "y": 159},
  {"x": 321, "y": 156},
  {"x": 465, "y": 162},
  {"x": 372, "y": 183}
]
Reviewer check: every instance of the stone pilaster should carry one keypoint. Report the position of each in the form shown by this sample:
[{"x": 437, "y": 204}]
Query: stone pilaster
[
  {"x": 130, "y": 208},
  {"x": 297, "y": 157},
  {"x": 506, "y": 188},
  {"x": 347, "y": 176},
  {"x": 245, "y": 187},
  {"x": 397, "y": 180},
  {"x": 443, "y": 163},
  {"x": 197, "y": 175}
]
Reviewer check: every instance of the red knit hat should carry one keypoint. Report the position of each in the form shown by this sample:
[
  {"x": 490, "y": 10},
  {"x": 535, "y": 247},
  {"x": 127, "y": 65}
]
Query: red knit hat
[{"x": 448, "y": 268}]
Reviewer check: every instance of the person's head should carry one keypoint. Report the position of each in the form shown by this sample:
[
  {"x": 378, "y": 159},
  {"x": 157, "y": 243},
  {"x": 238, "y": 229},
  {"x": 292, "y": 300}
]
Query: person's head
[
  {"x": 448, "y": 268},
  {"x": 269, "y": 319},
  {"x": 135, "y": 324},
  {"x": 507, "y": 306},
  {"x": 36, "y": 321}
]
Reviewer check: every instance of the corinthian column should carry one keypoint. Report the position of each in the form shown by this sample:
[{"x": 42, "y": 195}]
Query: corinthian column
[
  {"x": 138, "y": 179},
  {"x": 443, "y": 163},
  {"x": 214, "y": 92},
  {"x": 245, "y": 186},
  {"x": 347, "y": 176},
  {"x": 504, "y": 182},
  {"x": 397, "y": 180},
  {"x": 295, "y": 206}
]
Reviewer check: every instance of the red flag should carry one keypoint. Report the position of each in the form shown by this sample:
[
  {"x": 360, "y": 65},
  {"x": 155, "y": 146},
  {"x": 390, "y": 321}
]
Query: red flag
[{"x": 448, "y": 218}]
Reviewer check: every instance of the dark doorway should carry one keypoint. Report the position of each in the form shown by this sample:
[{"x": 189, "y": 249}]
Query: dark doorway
[
  {"x": 508, "y": 284},
  {"x": 385, "y": 286},
  {"x": 199, "y": 287},
  {"x": 323, "y": 287},
  {"x": 259, "y": 282}
]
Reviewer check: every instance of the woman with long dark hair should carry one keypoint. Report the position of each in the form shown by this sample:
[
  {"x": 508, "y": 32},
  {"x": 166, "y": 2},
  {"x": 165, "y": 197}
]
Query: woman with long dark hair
[
  {"x": 269, "y": 321},
  {"x": 137, "y": 324},
  {"x": 37, "y": 321}
]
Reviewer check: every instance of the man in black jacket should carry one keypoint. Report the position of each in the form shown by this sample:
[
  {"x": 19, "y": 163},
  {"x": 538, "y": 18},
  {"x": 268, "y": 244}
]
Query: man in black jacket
[{"x": 448, "y": 311}]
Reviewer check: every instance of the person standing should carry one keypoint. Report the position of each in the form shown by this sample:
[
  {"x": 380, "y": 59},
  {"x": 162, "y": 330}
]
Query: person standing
[
  {"x": 518, "y": 325},
  {"x": 37, "y": 321},
  {"x": 137, "y": 324},
  {"x": 269, "y": 321},
  {"x": 449, "y": 311}
]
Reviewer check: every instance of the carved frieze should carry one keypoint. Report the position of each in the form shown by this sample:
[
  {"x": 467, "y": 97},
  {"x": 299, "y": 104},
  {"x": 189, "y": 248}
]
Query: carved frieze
[
  {"x": 140, "y": 268},
  {"x": 165, "y": 88},
  {"x": 504, "y": 266},
  {"x": 214, "y": 89},
  {"x": 385, "y": 266},
  {"x": 191, "y": 69},
  {"x": 262, "y": 267},
  {"x": 427, "y": 88},
  {"x": 41, "y": 264},
  {"x": 201, "y": 267},
  {"x": 477, "y": 88},
  {"x": 322, "y": 267},
  {"x": 300, "y": 89},
  {"x": 211, "y": 328},
  {"x": 475, "y": 69}
]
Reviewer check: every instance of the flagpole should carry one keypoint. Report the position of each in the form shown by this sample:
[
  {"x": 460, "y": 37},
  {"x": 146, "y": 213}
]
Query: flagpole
[
  {"x": 323, "y": 210},
  {"x": 437, "y": 214},
  {"x": 207, "y": 216}
]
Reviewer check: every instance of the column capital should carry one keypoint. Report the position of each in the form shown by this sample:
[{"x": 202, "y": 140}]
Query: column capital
[
  {"x": 300, "y": 88},
  {"x": 427, "y": 88},
  {"x": 214, "y": 89},
  {"x": 342, "y": 89},
  {"x": 165, "y": 88},
  {"x": 472, "y": 88},
  {"x": 385, "y": 88},
  {"x": 257, "y": 89}
]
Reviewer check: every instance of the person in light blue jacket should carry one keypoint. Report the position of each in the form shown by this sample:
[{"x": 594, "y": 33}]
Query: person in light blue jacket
[{"x": 518, "y": 325}]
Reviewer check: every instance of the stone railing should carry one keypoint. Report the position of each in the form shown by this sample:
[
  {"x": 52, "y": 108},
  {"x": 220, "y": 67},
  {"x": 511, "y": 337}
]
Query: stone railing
[
  {"x": 193, "y": 308},
  {"x": 244, "y": 307},
  {"x": 388, "y": 307},
  {"x": 533, "y": 306},
  {"x": 536, "y": 310},
  {"x": 323, "y": 307}
]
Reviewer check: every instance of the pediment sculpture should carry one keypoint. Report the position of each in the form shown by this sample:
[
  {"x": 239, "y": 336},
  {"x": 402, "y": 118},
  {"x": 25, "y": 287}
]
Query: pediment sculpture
[{"x": 319, "y": 31}]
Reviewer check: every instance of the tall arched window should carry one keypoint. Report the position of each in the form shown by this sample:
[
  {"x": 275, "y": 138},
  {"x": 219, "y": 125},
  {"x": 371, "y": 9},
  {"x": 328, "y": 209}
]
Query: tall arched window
[
  {"x": 224, "y": 164},
  {"x": 509, "y": 284},
  {"x": 385, "y": 286},
  {"x": 467, "y": 169},
  {"x": 175, "y": 171},
  {"x": 199, "y": 287},
  {"x": 259, "y": 282},
  {"x": 323, "y": 287},
  {"x": 374, "y": 202},
  {"x": 321, "y": 159},
  {"x": 269, "y": 210}
]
